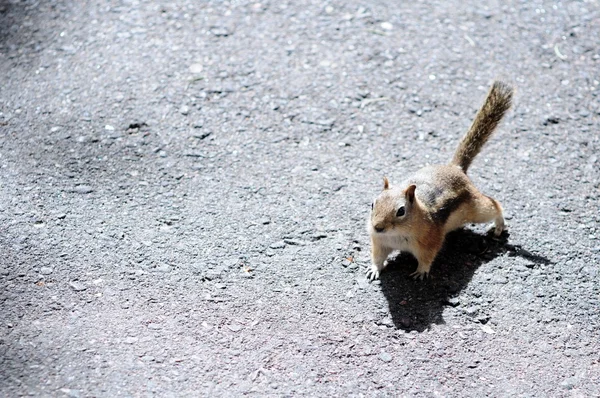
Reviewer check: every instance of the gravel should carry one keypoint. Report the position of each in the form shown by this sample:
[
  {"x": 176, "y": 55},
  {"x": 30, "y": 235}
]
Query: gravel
[
  {"x": 46, "y": 270},
  {"x": 208, "y": 166},
  {"x": 385, "y": 357}
]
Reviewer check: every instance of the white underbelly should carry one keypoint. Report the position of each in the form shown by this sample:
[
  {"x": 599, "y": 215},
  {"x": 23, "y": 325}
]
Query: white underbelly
[{"x": 395, "y": 242}]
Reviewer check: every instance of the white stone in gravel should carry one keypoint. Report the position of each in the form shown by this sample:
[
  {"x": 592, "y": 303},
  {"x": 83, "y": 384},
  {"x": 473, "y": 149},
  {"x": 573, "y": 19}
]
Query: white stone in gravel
[
  {"x": 196, "y": 68},
  {"x": 77, "y": 286},
  {"x": 295, "y": 242},
  {"x": 46, "y": 270},
  {"x": 71, "y": 393},
  {"x": 362, "y": 282},
  {"x": 277, "y": 245},
  {"x": 83, "y": 189},
  {"x": 163, "y": 268},
  {"x": 487, "y": 329},
  {"x": 385, "y": 357},
  {"x": 386, "y": 26},
  {"x": 569, "y": 383}
]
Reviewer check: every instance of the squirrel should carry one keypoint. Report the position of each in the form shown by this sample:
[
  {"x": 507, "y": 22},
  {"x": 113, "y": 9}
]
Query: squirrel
[{"x": 416, "y": 216}]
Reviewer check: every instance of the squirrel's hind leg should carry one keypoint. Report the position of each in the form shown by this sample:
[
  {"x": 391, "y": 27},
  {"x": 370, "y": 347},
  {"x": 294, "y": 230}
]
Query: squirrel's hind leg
[{"x": 485, "y": 209}]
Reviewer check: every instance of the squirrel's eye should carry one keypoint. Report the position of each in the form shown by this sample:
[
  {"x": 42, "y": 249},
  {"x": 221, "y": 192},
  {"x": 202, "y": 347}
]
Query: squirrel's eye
[
  {"x": 372, "y": 205},
  {"x": 400, "y": 212}
]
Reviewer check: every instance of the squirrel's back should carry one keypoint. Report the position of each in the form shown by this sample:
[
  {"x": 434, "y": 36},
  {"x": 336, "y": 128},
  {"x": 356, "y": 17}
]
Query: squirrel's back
[{"x": 498, "y": 101}]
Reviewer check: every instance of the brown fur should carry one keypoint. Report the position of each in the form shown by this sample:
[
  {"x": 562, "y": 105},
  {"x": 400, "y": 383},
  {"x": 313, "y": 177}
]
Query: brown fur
[
  {"x": 498, "y": 101},
  {"x": 437, "y": 199}
]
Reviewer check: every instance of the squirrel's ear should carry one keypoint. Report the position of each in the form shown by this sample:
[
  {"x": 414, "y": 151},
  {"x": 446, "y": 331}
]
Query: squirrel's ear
[
  {"x": 386, "y": 183},
  {"x": 410, "y": 193}
]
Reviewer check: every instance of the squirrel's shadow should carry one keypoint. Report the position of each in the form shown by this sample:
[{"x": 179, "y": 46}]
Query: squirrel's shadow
[{"x": 414, "y": 304}]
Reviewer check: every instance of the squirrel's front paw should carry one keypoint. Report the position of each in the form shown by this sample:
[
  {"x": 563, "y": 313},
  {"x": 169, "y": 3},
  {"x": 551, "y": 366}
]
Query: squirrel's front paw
[
  {"x": 420, "y": 273},
  {"x": 372, "y": 274},
  {"x": 374, "y": 271}
]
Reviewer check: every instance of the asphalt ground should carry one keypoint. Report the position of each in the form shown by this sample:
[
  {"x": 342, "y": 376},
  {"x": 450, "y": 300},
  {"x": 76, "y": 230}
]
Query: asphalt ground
[{"x": 184, "y": 189}]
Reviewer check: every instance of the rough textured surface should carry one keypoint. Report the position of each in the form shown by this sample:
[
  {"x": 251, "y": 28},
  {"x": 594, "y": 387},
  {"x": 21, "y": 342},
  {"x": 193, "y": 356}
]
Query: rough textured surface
[{"x": 184, "y": 188}]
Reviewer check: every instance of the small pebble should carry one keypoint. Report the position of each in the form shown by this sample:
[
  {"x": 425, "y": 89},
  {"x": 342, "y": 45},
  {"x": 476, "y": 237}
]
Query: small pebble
[
  {"x": 487, "y": 329},
  {"x": 163, "y": 268},
  {"x": 319, "y": 236},
  {"x": 196, "y": 68},
  {"x": 568, "y": 383},
  {"x": 277, "y": 245},
  {"x": 385, "y": 357},
  {"x": 220, "y": 31},
  {"x": 362, "y": 282},
  {"x": 83, "y": 189},
  {"x": 46, "y": 270},
  {"x": 386, "y": 26},
  {"x": 405, "y": 322},
  {"x": 551, "y": 120},
  {"x": 453, "y": 301},
  {"x": 77, "y": 286},
  {"x": 294, "y": 242},
  {"x": 71, "y": 393},
  {"x": 470, "y": 310},
  {"x": 584, "y": 113}
]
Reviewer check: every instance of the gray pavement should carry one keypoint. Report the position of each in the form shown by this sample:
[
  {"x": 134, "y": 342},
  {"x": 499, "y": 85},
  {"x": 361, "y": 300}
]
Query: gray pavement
[{"x": 184, "y": 187}]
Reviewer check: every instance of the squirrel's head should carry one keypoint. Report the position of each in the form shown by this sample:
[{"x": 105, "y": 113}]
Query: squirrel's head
[{"x": 393, "y": 210}]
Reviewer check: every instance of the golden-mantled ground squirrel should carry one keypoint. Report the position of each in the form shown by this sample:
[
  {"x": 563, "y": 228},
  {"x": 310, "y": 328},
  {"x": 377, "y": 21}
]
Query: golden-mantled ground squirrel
[{"x": 416, "y": 215}]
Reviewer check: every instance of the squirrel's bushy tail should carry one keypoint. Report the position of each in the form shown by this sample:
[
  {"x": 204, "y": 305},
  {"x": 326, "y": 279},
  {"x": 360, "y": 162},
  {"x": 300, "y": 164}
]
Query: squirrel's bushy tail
[{"x": 498, "y": 101}]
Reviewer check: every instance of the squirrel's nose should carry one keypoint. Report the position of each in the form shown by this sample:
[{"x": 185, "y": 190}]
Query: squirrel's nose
[{"x": 378, "y": 228}]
